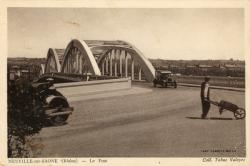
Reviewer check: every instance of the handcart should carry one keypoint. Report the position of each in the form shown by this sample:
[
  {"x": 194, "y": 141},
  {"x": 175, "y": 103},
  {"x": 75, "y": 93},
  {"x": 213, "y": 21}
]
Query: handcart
[{"x": 239, "y": 113}]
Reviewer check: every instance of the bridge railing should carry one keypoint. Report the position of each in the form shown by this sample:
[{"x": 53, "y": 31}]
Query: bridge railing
[{"x": 237, "y": 82}]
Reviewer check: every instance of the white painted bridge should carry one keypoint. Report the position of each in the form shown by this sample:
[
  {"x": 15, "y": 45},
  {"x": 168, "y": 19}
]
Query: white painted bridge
[{"x": 98, "y": 57}]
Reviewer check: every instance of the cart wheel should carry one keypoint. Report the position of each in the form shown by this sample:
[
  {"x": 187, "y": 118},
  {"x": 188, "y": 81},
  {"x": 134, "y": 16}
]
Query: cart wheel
[
  {"x": 59, "y": 120},
  {"x": 240, "y": 113}
]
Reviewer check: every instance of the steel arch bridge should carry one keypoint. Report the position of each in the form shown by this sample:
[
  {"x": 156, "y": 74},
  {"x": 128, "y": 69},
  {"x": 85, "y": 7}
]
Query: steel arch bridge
[
  {"x": 98, "y": 57},
  {"x": 54, "y": 60}
]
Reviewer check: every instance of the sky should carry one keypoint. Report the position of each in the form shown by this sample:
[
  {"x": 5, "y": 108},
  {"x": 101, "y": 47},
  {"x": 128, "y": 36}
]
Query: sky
[{"x": 167, "y": 33}]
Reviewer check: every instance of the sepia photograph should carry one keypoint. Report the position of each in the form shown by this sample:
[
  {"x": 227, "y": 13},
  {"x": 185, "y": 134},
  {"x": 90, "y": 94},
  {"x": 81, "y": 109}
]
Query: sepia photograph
[{"x": 126, "y": 82}]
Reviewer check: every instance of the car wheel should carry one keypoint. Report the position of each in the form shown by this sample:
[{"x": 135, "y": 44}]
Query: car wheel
[{"x": 59, "y": 120}]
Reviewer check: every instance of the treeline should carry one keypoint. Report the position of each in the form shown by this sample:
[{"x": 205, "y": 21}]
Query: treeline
[
  {"x": 230, "y": 68},
  {"x": 183, "y": 63},
  {"x": 213, "y": 71},
  {"x": 25, "y": 67},
  {"x": 26, "y": 61}
]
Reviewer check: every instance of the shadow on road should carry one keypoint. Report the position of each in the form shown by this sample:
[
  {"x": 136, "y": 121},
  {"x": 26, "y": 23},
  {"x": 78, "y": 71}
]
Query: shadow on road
[{"x": 211, "y": 118}]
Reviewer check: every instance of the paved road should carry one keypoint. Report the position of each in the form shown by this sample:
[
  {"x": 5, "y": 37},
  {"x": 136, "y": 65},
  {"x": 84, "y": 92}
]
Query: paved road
[{"x": 158, "y": 123}]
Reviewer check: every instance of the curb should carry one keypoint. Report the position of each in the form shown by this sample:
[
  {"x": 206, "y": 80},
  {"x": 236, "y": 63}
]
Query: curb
[{"x": 215, "y": 87}]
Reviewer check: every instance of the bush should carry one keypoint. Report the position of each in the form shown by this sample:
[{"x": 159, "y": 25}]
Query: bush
[{"x": 25, "y": 117}]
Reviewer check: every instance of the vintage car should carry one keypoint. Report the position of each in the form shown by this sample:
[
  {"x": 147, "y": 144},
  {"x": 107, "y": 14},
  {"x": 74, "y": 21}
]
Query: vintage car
[
  {"x": 165, "y": 79},
  {"x": 55, "y": 106}
]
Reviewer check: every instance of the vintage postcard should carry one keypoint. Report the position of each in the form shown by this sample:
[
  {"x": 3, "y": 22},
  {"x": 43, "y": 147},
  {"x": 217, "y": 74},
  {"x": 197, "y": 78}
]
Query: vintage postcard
[{"x": 124, "y": 83}]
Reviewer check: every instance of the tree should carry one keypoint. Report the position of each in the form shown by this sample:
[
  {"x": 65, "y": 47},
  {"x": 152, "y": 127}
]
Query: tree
[{"x": 25, "y": 117}]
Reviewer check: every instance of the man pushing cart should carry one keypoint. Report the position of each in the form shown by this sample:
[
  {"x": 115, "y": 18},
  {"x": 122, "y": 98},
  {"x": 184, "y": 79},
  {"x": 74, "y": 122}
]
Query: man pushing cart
[{"x": 239, "y": 113}]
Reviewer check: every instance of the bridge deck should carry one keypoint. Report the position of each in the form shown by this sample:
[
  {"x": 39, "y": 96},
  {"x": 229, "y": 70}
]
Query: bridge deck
[{"x": 159, "y": 123}]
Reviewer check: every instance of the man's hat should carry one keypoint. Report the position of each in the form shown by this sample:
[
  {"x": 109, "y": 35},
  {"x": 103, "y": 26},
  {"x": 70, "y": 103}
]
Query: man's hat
[{"x": 207, "y": 78}]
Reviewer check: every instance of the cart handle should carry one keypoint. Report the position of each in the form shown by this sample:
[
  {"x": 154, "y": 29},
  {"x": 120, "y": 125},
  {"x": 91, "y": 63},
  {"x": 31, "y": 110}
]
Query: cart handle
[{"x": 213, "y": 102}]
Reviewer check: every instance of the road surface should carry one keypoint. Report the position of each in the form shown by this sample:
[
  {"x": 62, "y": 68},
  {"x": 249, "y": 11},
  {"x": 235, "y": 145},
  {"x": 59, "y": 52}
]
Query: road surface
[{"x": 162, "y": 122}]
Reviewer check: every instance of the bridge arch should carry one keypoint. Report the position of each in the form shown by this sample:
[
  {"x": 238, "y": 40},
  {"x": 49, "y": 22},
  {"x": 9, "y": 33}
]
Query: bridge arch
[
  {"x": 42, "y": 69},
  {"x": 78, "y": 59},
  {"x": 99, "y": 57},
  {"x": 54, "y": 59},
  {"x": 120, "y": 58}
]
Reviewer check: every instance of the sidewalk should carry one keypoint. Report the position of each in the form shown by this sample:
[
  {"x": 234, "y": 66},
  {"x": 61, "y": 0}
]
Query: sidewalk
[{"x": 215, "y": 87}]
